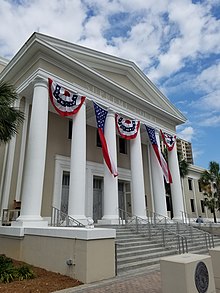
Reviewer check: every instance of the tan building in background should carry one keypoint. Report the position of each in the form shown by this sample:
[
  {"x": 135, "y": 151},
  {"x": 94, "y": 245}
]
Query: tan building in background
[{"x": 185, "y": 148}]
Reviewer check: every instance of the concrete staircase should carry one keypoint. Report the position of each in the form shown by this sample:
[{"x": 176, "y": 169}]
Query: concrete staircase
[{"x": 136, "y": 250}]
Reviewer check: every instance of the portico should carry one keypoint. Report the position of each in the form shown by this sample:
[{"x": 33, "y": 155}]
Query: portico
[{"x": 49, "y": 154}]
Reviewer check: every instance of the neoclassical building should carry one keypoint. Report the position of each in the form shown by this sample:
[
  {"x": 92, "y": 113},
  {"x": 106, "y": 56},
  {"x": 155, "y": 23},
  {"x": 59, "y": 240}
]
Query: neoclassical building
[{"x": 57, "y": 161}]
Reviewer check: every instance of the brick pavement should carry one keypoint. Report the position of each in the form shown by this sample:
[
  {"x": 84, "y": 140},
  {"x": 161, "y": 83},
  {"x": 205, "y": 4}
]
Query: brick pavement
[{"x": 148, "y": 281}]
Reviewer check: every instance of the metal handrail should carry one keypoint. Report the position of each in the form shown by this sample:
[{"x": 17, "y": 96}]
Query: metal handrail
[
  {"x": 137, "y": 222},
  {"x": 203, "y": 234},
  {"x": 59, "y": 218},
  {"x": 187, "y": 226}
]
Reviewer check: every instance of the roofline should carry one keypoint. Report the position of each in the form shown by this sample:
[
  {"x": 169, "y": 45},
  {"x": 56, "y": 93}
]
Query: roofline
[
  {"x": 3, "y": 61},
  {"x": 118, "y": 60},
  {"x": 41, "y": 39}
]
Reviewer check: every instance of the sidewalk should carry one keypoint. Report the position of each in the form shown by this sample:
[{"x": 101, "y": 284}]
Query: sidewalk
[{"x": 145, "y": 280}]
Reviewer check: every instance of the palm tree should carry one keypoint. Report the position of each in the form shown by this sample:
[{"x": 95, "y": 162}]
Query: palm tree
[
  {"x": 10, "y": 117},
  {"x": 210, "y": 183},
  {"x": 183, "y": 167}
]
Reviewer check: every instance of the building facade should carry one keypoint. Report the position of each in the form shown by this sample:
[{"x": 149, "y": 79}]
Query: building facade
[
  {"x": 194, "y": 196},
  {"x": 57, "y": 161},
  {"x": 185, "y": 149}
]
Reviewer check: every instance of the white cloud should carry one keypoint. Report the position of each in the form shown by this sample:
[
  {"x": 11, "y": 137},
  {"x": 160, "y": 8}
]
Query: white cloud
[
  {"x": 18, "y": 22},
  {"x": 197, "y": 153},
  {"x": 208, "y": 82},
  {"x": 198, "y": 35},
  {"x": 154, "y": 34},
  {"x": 187, "y": 133},
  {"x": 209, "y": 78},
  {"x": 211, "y": 121}
]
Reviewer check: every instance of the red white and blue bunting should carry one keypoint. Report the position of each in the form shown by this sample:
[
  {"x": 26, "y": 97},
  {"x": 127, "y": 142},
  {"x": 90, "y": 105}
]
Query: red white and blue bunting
[
  {"x": 168, "y": 139},
  {"x": 127, "y": 128},
  {"x": 68, "y": 103},
  {"x": 65, "y": 102}
]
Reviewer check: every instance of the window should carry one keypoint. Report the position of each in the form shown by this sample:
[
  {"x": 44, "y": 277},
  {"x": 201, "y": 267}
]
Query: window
[
  {"x": 98, "y": 141},
  {"x": 190, "y": 184},
  {"x": 66, "y": 178},
  {"x": 192, "y": 205},
  {"x": 200, "y": 186},
  {"x": 123, "y": 146},
  {"x": 202, "y": 206},
  {"x": 97, "y": 183},
  {"x": 70, "y": 129}
]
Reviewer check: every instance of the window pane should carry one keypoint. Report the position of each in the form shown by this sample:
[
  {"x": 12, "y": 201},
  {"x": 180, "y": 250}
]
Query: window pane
[
  {"x": 70, "y": 129},
  {"x": 98, "y": 141},
  {"x": 190, "y": 184},
  {"x": 123, "y": 149},
  {"x": 202, "y": 206},
  {"x": 192, "y": 205}
]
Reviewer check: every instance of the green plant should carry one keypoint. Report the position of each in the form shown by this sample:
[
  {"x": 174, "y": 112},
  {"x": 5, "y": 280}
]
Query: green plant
[
  {"x": 9, "y": 273},
  {"x": 210, "y": 183},
  {"x": 24, "y": 272}
]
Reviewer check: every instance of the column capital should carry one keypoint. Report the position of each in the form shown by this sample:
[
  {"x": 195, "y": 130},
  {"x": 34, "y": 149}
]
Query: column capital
[
  {"x": 40, "y": 81},
  {"x": 157, "y": 131},
  {"x": 111, "y": 113}
]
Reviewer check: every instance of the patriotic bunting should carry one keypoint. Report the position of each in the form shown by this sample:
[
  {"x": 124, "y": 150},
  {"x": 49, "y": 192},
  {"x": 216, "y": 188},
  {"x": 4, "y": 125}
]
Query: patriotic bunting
[
  {"x": 168, "y": 139},
  {"x": 161, "y": 160},
  {"x": 101, "y": 115},
  {"x": 68, "y": 103},
  {"x": 65, "y": 102},
  {"x": 127, "y": 128}
]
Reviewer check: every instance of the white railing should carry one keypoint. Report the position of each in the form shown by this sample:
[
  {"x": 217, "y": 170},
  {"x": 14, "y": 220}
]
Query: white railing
[
  {"x": 9, "y": 215},
  {"x": 58, "y": 219}
]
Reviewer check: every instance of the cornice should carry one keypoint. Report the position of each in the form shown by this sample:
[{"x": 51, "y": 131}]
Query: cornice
[
  {"x": 195, "y": 168},
  {"x": 96, "y": 84}
]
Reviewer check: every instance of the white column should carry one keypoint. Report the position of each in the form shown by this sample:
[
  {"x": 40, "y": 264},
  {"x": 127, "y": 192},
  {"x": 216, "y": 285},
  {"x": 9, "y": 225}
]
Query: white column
[
  {"x": 176, "y": 190},
  {"x": 137, "y": 178},
  {"x": 110, "y": 213},
  {"x": 22, "y": 151},
  {"x": 159, "y": 192},
  {"x": 2, "y": 180},
  {"x": 9, "y": 156},
  {"x": 8, "y": 167},
  {"x": 77, "y": 190},
  {"x": 33, "y": 180}
]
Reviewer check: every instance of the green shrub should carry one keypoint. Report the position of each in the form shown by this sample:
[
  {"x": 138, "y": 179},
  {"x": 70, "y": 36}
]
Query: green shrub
[
  {"x": 9, "y": 273},
  {"x": 25, "y": 272}
]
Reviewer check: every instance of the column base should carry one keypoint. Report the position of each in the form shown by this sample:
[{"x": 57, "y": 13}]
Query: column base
[
  {"x": 30, "y": 221},
  {"x": 80, "y": 218},
  {"x": 111, "y": 220},
  {"x": 178, "y": 219}
]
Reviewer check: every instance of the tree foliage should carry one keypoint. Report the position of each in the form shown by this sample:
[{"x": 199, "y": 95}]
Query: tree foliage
[
  {"x": 210, "y": 184},
  {"x": 10, "y": 117},
  {"x": 183, "y": 166}
]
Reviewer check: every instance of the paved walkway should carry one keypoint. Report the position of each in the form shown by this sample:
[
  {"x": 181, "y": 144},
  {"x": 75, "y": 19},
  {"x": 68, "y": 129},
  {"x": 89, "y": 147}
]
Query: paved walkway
[{"x": 145, "y": 280}]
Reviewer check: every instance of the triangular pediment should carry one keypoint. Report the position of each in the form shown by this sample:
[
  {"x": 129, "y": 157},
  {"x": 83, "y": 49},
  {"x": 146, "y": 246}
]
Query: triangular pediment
[
  {"x": 123, "y": 73},
  {"x": 123, "y": 78}
]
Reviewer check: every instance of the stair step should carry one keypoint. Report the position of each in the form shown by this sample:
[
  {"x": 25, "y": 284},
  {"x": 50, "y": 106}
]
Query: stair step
[{"x": 136, "y": 251}]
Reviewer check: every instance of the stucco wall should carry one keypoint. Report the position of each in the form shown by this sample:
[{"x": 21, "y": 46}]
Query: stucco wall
[{"x": 93, "y": 259}]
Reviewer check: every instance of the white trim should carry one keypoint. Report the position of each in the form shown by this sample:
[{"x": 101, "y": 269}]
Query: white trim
[
  {"x": 62, "y": 163},
  {"x": 60, "y": 232},
  {"x": 3, "y": 175}
]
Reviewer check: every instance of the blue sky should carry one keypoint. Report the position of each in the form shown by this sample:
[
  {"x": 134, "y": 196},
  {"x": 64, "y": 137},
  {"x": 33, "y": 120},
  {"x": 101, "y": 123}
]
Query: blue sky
[{"x": 175, "y": 42}]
